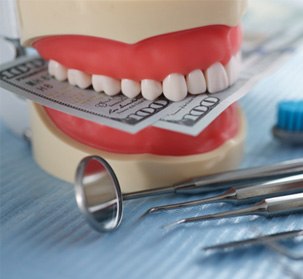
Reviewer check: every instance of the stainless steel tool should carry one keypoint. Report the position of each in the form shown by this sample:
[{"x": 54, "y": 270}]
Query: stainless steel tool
[
  {"x": 271, "y": 241},
  {"x": 277, "y": 187},
  {"x": 239, "y": 178},
  {"x": 100, "y": 199},
  {"x": 268, "y": 208},
  {"x": 259, "y": 240}
]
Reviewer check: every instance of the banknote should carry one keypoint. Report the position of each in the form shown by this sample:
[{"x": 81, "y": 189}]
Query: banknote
[{"x": 29, "y": 78}]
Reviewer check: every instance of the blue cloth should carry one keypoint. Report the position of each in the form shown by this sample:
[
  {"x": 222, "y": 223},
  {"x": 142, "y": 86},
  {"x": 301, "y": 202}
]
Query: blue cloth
[{"x": 44, "y": 236}]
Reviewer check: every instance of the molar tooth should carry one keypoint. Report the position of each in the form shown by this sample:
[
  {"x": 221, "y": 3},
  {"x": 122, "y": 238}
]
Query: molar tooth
[
  {"x": 51, "y": 67},
  {"x": 174, "y": 87},
  {"x": 79, "y": 78},
  {"x": 57, "y": 70},
  {"x": 233, "y": 69},
  {"x": 196, "y": 83},
  {"x": 151, "y": 89},
  {"x": 130, "y": 88},
  {"x": 216, "y": 77},
  {"x": 109, "y": 85}
]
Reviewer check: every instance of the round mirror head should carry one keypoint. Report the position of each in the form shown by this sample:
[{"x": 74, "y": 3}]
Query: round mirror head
[{"x": 98, "y": 194}]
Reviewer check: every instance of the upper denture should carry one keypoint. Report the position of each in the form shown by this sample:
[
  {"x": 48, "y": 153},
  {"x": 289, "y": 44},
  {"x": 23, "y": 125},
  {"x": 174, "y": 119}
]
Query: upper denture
[{"x": 175, "y": 64}]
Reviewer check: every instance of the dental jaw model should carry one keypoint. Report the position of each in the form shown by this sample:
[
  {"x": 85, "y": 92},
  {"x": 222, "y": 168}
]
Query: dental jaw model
[{"x": 152, "y": 48}]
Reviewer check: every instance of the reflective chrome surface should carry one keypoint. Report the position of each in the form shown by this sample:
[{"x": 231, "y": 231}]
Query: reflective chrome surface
[
  {"x": 98, "y": 194},
  {"x": 273, "y": 188},
  {"x": 277, "y": 206}
]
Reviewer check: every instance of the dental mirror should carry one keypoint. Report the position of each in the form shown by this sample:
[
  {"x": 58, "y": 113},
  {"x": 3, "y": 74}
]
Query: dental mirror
[{"x": 98, "y": 194}]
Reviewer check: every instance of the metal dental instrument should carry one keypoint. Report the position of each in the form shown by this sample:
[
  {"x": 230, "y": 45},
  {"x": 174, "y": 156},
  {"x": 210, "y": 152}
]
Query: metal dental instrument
[
  {"x": 259, "y": 240},
  {"x": 277, "y": 187},
  {"x": 100, "y": 199},
  {"x": 224, "y": 180},
  {"x": 267, "y": 208},
  {"x": 271, "y": 241}
]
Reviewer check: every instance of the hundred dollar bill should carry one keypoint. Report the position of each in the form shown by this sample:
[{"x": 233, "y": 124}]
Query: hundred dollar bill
[
  {"x": 29, "y": 78},
  {"x": 264, "y": 50}
]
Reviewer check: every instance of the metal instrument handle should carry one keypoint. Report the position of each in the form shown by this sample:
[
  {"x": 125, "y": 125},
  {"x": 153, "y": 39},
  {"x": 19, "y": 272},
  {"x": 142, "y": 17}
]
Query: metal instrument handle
[
  {"x": 224, "y": 180},
  {"x": 278, "y": 187},
  {"x": 285, "y": 204}
]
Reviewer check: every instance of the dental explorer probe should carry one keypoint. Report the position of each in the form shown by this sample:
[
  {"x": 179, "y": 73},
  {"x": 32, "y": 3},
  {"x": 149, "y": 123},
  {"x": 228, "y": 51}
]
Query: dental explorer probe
[
  {"x": 100, "y": 199},
  {"x": 268, "y": 208},
  {"x": 277, "y": 187}
]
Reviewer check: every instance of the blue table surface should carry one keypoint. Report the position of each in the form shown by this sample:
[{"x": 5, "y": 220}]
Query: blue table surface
[{"x": 44, "y": 236}]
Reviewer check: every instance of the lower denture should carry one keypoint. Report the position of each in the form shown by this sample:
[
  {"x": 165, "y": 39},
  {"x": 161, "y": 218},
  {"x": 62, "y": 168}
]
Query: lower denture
[{"x": 151, "y": 140}]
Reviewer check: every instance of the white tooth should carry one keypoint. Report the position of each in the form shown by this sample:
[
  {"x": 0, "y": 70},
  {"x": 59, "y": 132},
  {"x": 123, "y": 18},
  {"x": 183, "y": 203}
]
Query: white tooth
[
  {"x": 57, "y": 70},
  {"x": 216, "y": 78},
  {"x": 233, "y": 69},
  {"x": 130, "y": 88},
  {"x": 109, "y": 85},
  {"x": 79, "y": 78},
  {"x": 71, "y": 77},
  {"x": 196, "y": 83},
  {"x": 60, "y": 72},
  {"x": 174, "y": 87},
  {"x": 151, "y": 89},
  {"x": 51, "y": 67},
  {"x": 97, "y": 82}
]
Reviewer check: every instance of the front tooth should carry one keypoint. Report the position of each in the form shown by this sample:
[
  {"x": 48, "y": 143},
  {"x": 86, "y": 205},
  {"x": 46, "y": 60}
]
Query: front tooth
[
  {"x": 216, "y": 78},
  {"x": 196, "y": 83},
  {"x": 71, "y": 77},
  {"x": 109, "y": 85},
  {"x": 130, "y": 88},
  {"x": 79, "y": 78},
  {"x": 174, "y": 87},
  {"x": 151, "y": 89},
  {"x": 233, "y": 69}
]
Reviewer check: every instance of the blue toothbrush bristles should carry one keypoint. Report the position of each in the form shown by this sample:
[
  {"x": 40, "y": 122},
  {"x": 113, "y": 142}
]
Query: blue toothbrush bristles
[
  {"x": 289, "y": 128},
  {"x": 290, "y": 116}
]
